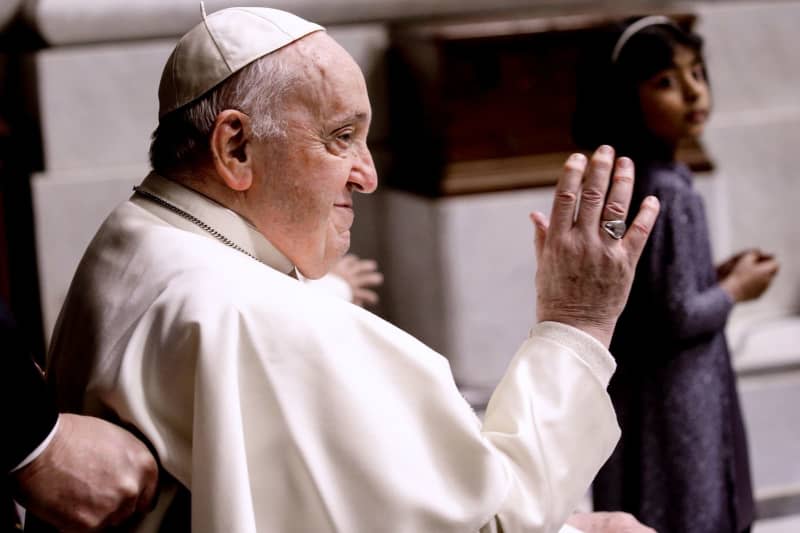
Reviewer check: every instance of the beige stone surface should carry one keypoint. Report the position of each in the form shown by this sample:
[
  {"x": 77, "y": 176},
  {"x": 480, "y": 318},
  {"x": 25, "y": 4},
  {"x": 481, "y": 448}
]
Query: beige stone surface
[
  {"x": 78, "y": 21},
  {"x": 751, "y": 52},
  {"x": 763, "y": 193},
  {"x": 785, "y": 524},
  {"x": 8, "y": 10},
  {"x": 68, "y": 210},
  {"x": 460, "y": 275},
  {"x": 753, "y": 135},
  {"x": 773, "y": 436},
  {"x": 98, "y": 103}
]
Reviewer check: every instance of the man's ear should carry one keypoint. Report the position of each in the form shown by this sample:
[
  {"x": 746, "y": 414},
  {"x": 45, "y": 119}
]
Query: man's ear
[{"x": 231, "y": 149}]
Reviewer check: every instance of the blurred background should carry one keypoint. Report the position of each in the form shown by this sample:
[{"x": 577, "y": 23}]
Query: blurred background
[{"x": 472, "y": 102}]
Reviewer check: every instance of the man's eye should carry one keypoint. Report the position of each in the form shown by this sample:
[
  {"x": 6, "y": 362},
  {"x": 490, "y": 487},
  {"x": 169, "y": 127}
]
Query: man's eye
[
  {"x": 344, "y": 136},
  {"x": 698, "y": 73}
]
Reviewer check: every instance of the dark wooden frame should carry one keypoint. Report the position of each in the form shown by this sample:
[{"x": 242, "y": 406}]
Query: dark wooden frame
[{"x": 483, "y": 105}]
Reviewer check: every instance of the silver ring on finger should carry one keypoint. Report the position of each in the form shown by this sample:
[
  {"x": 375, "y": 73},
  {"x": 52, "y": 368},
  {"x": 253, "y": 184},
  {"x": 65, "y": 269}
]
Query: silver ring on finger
[{"x": 615, "y": 228}]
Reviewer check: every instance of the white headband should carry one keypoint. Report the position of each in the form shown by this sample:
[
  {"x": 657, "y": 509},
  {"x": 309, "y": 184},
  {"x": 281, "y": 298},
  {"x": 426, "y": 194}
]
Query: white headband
[{"x": 634, "y": 28}]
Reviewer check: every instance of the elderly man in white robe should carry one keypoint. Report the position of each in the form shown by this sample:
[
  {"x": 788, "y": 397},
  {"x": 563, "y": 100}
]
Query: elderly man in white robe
[{"x": 281, "y": 409}]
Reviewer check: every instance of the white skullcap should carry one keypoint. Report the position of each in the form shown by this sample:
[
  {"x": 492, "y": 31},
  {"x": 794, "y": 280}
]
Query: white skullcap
[{"x": 222, "y": 44}]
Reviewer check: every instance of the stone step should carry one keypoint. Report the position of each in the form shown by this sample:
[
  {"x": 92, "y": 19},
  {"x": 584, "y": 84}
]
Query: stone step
[
  {"x": 773, "y": 430},
  {"x": 785, "y": 524}
]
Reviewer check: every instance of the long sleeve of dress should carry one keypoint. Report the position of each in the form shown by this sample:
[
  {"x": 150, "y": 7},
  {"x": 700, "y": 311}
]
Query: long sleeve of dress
[
  {"x": 30, "y": 412},
  {"x": 680, "y": 268}
]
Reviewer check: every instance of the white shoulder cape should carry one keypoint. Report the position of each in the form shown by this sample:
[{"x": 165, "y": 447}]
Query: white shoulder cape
[{"x": 283, "y": 409}]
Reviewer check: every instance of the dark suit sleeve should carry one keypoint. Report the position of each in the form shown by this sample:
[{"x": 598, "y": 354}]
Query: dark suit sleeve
[{"x": 29, "y": 412}]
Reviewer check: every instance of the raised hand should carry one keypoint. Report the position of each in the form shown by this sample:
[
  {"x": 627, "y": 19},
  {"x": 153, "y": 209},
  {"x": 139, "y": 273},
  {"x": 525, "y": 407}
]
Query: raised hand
[{"x": 584, "y": 274}]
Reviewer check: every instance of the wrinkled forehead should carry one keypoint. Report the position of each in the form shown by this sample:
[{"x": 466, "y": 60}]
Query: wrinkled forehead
[
  {"x": 329, "y": 77},
  {"x": 321, "y": 56}
]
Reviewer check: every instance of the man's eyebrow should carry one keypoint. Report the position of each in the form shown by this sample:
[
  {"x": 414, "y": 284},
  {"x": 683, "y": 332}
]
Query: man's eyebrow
[{"x": 359, "y": 116}]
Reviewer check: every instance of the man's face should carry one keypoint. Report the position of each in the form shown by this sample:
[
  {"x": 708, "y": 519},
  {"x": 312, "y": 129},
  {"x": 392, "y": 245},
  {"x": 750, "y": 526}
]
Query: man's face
[{"x": 306, "y": 180}]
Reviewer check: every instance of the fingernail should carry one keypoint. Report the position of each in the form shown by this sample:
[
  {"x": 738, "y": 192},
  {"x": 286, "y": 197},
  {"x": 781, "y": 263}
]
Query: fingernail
[
  {"x": 577, "y": 158},
  {"x": 624, "y": 162},
  {"x": 605, "y": 149},
  {"x": 652, "y": 201}
]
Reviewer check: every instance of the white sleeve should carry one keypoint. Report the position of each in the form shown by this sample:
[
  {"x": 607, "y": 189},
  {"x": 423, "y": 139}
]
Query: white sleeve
[
  {"x": 552, "y": 422},
  {"x": 308, "y": 414}
]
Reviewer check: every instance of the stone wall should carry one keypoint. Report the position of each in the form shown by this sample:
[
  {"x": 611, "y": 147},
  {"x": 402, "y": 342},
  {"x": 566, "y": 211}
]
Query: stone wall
[{"x": 755, "y": 76}]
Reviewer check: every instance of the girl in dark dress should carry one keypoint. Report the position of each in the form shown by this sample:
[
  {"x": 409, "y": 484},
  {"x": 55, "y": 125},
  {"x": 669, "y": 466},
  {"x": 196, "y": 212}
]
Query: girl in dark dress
[{"x": 681, "y": 465}]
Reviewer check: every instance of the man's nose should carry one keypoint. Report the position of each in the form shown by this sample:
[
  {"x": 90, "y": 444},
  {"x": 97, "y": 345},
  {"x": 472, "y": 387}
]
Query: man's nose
[{"x": 363, "y": 175}]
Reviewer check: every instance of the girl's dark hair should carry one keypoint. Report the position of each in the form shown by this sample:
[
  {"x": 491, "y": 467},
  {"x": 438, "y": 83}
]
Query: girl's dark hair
[{"x": 607, "y": 109}]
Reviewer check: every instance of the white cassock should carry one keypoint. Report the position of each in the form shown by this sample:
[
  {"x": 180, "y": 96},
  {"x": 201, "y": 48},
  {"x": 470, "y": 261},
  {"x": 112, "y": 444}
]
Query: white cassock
[{"x": 283, "y": 409}]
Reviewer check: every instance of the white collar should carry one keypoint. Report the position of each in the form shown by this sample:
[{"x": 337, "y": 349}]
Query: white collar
[{"x": 218, "y": 217}]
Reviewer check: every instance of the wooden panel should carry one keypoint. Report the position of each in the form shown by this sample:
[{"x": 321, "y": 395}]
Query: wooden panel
[
  {"x": 5, "y": 155},
  {"x": 538, "y": 170},
  {"x": 5, "y": 293},
  {"x": 478, "y": 106}
]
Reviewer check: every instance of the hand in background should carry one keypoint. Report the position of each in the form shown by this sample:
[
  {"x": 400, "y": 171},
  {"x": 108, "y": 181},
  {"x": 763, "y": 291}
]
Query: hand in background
[
  {"x": 748, "y": 274},
  {"x": 92, "y": 475},
  {"x": 584, "y": 275},
  {"x": 608, "y": 523},
  {"x": 362, "y": 276},
  {"x": 724, "y": 268}
]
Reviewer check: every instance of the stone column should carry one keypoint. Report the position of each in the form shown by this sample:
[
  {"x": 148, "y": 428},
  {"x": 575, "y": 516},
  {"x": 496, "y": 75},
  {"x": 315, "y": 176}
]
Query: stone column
[{"x": 753, "y": 134}]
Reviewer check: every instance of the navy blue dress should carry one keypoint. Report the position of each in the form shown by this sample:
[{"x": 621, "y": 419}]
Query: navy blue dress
[{"x": 681, "y": 465}]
